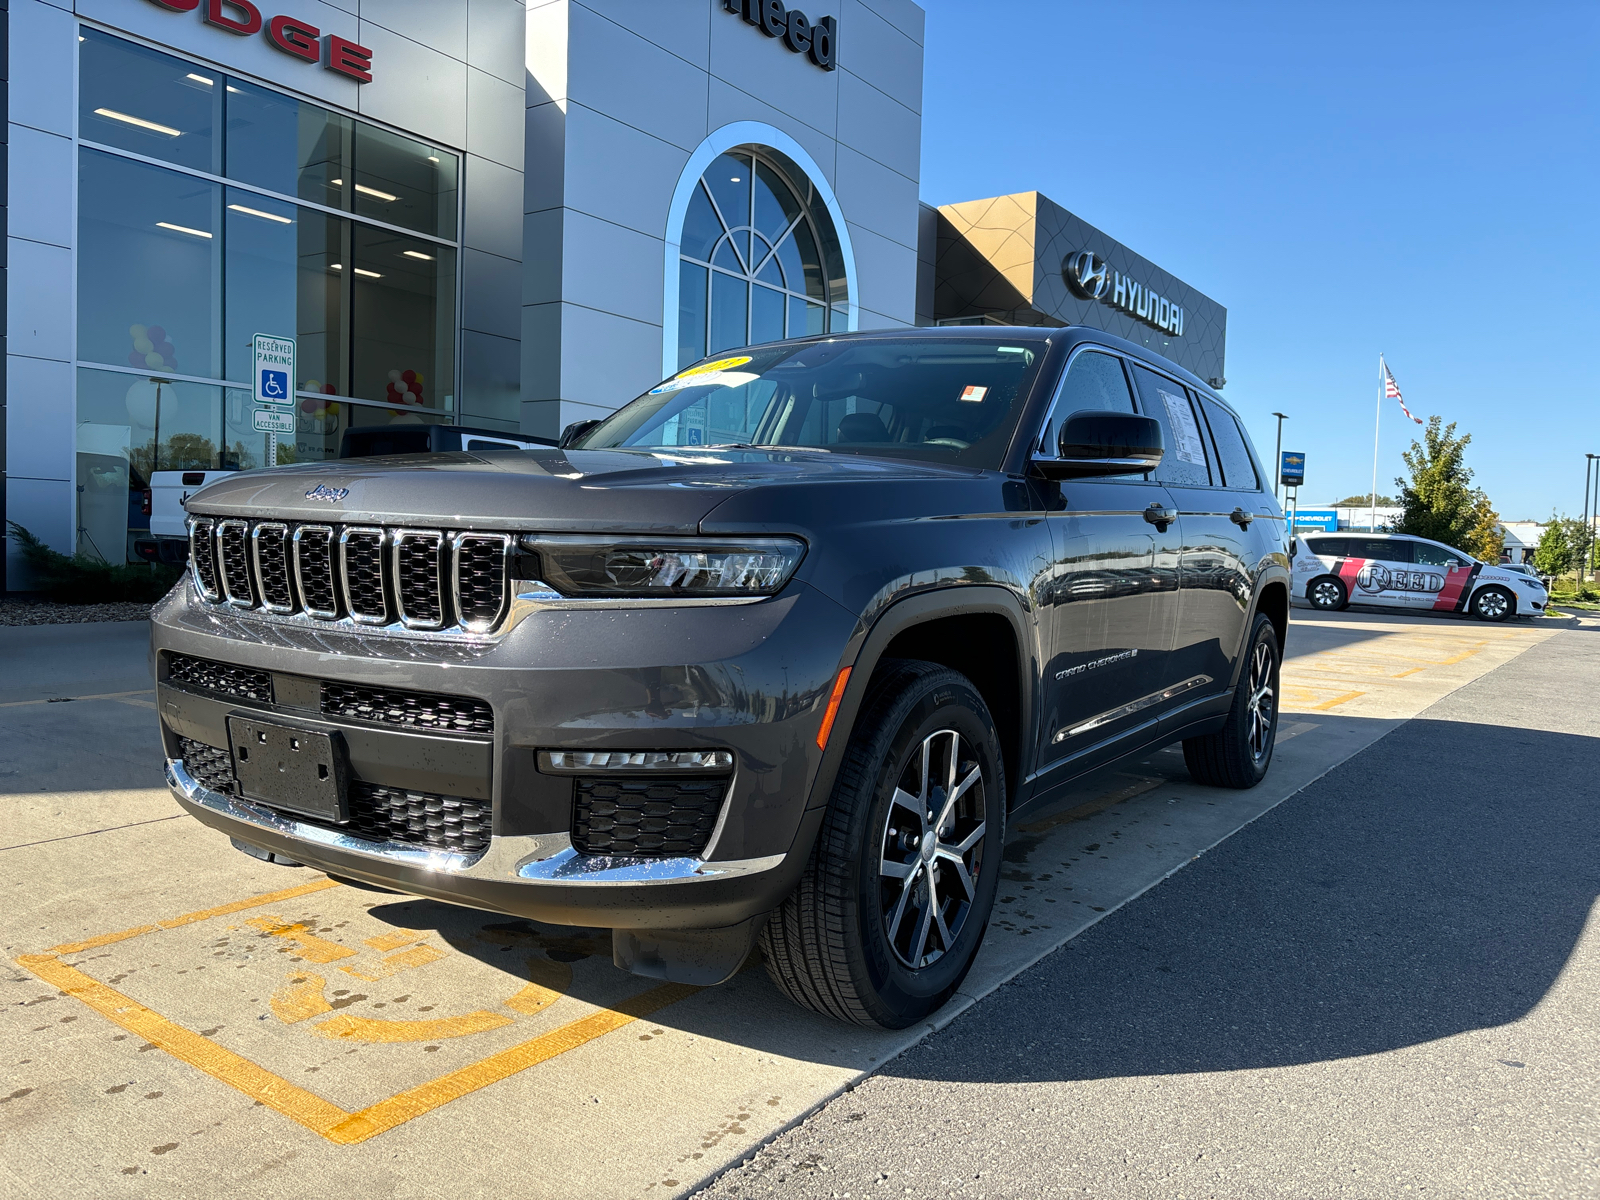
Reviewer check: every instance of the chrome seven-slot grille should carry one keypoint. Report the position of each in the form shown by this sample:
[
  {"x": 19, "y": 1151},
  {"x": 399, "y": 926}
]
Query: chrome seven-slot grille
[{"x": 425, "y": 579}]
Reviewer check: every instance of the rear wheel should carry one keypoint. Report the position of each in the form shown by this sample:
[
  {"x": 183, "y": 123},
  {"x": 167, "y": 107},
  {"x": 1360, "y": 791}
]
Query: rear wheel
[
  {"x": 1327, "y": 593},
  {"x": 893, "y": 904},
  {"x": 1493, "y": 604},
  {"x": 1238, "y": 755}
]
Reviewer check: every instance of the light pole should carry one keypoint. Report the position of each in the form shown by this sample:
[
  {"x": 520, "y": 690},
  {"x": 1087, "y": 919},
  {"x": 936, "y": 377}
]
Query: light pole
[
  {"x": 1277, "y": 458},
  {"x": 1589, "y": 516}
]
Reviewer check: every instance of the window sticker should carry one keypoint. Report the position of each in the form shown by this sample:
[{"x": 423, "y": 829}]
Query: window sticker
[
  {"x": 1187, "y": 434},
  {"x": 711, "y": 379},
  {"x": 973, "y": 394},
  {"x": 722, "y": 364}
]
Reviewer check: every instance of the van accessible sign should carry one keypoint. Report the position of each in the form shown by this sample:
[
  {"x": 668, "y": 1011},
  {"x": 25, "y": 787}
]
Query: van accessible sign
[{"x": 1091, "y": 277}]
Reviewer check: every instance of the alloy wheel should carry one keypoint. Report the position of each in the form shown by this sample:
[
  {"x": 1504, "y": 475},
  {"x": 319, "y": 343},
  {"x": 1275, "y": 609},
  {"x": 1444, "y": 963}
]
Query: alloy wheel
[
  {"x": 1492, "y": 605},
  {"x": 1325, "y": 593},
  {"x": 1261, "y": 707},
  {"x": 932, "y": 849}
]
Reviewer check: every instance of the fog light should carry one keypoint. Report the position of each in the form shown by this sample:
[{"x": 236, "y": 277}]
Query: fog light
[{"x": 574, "y": 762}]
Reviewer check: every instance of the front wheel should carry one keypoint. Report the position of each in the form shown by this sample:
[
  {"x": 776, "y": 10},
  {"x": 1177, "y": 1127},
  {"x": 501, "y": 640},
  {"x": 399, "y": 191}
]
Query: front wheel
[
  {"x": 1327, "y": 593},
  {"x": 894, "y": 902},
  {"x": 1493, "y": 604},
  {"x": 1238, "y": 754}
]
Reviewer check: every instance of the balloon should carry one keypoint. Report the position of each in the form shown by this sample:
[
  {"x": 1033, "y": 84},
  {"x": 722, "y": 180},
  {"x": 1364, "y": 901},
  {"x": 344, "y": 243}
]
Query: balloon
[
  {"x": 156, "y": 334},
  {"x": 166, "y": 351},
  {"x": 394, "y": 376},
  {"x": 142, "y": 345},
  {"x": 330, "y": 389},
  {"x": 135, "y": 359},
  {"x": 409, "y": 376},
  {"x": 418, "y": 374},
  {"x": 154, "y": 360},
  {"x": 137, "y": 331},
  {"x": 308, "y": 406},
  {"x": 333, "y": 408}
]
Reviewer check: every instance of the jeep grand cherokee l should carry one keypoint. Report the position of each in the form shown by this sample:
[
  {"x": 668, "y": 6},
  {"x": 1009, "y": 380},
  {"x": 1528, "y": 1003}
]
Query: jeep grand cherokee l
[{"x": 774, "y": 653}]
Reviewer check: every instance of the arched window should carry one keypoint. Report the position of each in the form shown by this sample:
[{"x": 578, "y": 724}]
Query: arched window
[{"x": 759, "y": 258}]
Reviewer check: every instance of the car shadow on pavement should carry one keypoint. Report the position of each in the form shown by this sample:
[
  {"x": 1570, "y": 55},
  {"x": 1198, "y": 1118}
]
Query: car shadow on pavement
[{"x": 1435, "y": 883}]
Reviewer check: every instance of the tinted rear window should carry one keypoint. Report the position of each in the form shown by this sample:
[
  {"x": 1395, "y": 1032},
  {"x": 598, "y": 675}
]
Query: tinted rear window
[
  {"x": 361, "y": 444},
  {"x": 1238, "y": 469},
  {"x": 1382, "y": 549},
  {"x": 1329, "y": 547}
]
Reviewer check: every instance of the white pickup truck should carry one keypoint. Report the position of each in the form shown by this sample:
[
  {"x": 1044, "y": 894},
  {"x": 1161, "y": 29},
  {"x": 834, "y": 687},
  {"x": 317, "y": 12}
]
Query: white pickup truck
[{"x": 164, "y": 499}]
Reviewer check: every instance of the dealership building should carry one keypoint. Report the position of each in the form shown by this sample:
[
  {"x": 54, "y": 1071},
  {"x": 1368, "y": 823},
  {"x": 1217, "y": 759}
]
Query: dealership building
[{"x": 494, "y": 213}]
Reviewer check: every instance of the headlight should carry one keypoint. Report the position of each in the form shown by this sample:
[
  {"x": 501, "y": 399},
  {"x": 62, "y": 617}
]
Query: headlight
[{"x": 580, "y": 565}]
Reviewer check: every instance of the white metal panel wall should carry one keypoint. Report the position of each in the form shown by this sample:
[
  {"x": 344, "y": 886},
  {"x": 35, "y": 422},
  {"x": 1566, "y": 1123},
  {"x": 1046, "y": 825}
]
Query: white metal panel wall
[{"x": 620, "y": 94}]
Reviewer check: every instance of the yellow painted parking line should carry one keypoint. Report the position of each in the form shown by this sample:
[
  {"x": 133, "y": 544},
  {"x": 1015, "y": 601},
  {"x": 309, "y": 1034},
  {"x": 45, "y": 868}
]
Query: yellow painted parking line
[{"x": 303, "y": 999}]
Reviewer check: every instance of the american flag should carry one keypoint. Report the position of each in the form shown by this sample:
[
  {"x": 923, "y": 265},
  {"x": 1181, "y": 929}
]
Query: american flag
[{"x": 1391, "y": 388}]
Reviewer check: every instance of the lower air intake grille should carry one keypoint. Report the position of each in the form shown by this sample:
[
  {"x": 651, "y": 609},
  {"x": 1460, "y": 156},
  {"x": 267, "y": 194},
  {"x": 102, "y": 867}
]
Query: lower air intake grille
[
  {"x": 209, "y": 766},
  {"x": 382, "y": 814},
  {"x": 389, "y": 814},
  {"x": 219, "y": 677},
  {"x": 654, "y": 818},
  {"x": 420, "y": 710}
]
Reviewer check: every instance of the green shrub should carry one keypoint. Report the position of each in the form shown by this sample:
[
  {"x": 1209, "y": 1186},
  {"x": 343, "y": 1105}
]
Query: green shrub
[{"x": 80, "y": 579}]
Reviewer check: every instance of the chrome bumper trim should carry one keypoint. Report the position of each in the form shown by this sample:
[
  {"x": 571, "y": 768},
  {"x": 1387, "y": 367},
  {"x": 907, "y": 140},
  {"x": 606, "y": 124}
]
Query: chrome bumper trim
[{"x": 539, "y": 858}]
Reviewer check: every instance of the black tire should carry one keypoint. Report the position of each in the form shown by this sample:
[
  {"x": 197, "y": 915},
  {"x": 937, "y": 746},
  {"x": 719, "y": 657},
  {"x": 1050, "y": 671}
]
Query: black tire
[
  {"x": 829, "y": 946},
  {"x": 1493, "y": 604},
  {"x": 1238, "y": 754},
  {"x": 1328, "y": 593}
]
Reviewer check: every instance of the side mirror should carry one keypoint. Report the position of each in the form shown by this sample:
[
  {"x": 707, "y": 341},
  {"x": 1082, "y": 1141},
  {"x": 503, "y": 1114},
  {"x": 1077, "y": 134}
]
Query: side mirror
[
  {"x": 1095, "y": 442},
  {"x": 575, "y": 431}
]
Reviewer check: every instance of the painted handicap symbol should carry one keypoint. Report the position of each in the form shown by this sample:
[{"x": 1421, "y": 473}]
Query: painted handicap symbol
[{"x": 304, "y": 996}]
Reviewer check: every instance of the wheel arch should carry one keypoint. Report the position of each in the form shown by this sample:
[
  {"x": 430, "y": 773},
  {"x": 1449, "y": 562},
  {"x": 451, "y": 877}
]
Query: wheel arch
[{"x": 981, "y": 631}]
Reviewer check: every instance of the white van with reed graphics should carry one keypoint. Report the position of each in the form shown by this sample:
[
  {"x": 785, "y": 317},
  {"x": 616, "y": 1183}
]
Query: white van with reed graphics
[{"x": 1391, "y": 570}]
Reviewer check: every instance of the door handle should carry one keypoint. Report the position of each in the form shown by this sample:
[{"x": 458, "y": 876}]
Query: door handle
[
  {"x": 1241, "y": 518},
  {"x": 1160, "y": 515}
]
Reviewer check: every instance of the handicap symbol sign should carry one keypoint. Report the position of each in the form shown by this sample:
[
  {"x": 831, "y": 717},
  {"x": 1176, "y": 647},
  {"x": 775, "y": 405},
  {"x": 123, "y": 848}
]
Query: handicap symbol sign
[{"x": 275, "y": 385}]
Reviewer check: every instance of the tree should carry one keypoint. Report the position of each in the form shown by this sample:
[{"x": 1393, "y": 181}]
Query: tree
[
  {"x": 1439, "y": 501},
  {"x": 1365, "y": 501},
  {"x": 1553, "y": 555}
]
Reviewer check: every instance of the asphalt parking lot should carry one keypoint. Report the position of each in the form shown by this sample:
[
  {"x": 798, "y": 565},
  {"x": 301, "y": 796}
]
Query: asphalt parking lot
[{"x": 183, "y": 1020}]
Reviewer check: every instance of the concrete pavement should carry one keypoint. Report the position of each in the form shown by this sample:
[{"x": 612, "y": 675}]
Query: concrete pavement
[
  {"x": 194, "y": 1022},
  {"x": 1388, "y": 986}
]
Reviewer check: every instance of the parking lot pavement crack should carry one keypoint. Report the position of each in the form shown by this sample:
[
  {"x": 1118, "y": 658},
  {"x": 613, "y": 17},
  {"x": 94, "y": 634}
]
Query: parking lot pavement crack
[{"x": 91, "y": 832}]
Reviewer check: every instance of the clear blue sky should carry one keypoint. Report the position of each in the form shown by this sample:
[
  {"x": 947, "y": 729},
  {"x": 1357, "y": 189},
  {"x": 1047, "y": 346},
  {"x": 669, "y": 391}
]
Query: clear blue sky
[{"x": 1416, "y": 178}]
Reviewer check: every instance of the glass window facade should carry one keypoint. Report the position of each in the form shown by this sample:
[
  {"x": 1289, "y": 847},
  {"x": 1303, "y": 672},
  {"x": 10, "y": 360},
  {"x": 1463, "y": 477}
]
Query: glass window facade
[
  {"x": 211, "y": 209},
  {"x": 759, "y": 259}
]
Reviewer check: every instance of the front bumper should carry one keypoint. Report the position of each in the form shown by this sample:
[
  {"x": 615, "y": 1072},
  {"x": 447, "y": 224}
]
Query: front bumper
[
  {"x": 539, "y": 877},
  {"x": 752, "y": 679}
]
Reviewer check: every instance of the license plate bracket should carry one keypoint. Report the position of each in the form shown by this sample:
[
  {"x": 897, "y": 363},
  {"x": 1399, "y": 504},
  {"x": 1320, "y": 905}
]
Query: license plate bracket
[{"x": 292, "y": 767}]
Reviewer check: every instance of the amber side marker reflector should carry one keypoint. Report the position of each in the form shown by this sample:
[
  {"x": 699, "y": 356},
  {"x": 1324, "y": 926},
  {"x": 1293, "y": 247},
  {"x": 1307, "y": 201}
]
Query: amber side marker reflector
[{"x": 833, "y": 708}]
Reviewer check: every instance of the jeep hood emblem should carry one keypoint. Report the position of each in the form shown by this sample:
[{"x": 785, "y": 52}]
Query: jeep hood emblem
[{"x": 323, "y": 492}]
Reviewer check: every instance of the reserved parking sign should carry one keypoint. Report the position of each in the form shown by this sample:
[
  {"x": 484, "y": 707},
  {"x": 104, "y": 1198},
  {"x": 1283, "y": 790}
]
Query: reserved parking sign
[{"x": 274, "y": 370}]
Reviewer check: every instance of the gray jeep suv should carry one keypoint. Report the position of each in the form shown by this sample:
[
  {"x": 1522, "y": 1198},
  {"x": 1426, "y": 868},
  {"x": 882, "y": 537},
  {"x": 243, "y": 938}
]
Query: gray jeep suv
[{"x": 773, "y": 654}]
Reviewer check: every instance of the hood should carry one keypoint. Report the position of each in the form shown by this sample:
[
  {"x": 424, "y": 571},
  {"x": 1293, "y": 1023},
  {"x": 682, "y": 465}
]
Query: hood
[{"x": 579, "y": 491}]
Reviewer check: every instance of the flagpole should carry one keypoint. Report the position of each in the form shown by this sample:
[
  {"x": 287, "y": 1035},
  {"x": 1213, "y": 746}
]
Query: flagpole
[{"x": 1377, "y": 420}]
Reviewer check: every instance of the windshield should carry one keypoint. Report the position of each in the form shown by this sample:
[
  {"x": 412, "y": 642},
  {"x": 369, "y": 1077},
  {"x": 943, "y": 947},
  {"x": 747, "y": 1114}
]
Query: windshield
[{"x": 954, "y": 400}]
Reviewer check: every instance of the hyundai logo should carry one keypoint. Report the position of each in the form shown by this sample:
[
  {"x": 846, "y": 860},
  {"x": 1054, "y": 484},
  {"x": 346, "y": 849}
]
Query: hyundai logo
[
  {"x": 1087, "y": 274},
  {"x": 323, "y": 492}
]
